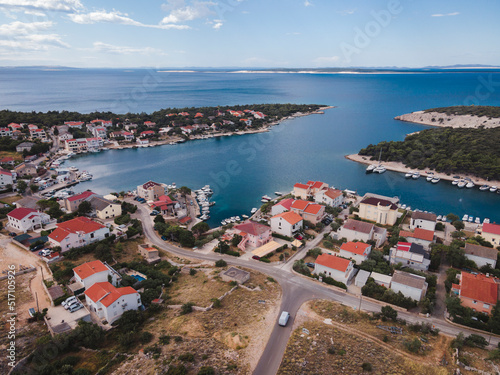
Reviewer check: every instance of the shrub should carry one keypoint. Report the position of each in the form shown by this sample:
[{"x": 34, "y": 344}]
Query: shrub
[
  {"x": 413, "y": 346},
  {"x": 366, "y": 366},
  {"x": 164, "y": 340},
  {"x": 146, "y": 337},
  {"x": 265, "y": 260},
  {"x": 187, "y": 308},
  {"x": 178, "y": 338},
  {"x": 216, "y": 303},
  {"x": 331, "y": 350},
  {"x": 206, "y": 370},
  {"x": 176, "y": 370},
  {"x": 389, "y": 313},
  {"x": 186, "y": 357},
  {"x": 192, "y": 272},
  {"x": 331, "y": 281},
  {"x": 221, "y": 263}
]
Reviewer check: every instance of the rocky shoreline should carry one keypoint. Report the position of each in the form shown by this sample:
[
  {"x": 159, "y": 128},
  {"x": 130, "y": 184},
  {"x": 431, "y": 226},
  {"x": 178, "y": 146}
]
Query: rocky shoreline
[{"x": 439, "y": 119}]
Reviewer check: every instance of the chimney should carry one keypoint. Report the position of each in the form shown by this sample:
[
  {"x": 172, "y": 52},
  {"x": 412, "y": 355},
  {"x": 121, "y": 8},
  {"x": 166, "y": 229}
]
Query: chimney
[{"x": 487, "y": 275}]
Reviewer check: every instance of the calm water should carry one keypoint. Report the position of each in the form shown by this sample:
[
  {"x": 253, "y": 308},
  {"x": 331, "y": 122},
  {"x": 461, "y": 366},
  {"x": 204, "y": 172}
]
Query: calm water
[{"x": 243, "y": 168}]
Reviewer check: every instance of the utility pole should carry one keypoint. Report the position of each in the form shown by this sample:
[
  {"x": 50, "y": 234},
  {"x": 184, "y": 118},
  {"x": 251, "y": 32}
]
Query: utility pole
[
  {"x": 38, "y": 308},
  {"x": 360, "y": 298}
]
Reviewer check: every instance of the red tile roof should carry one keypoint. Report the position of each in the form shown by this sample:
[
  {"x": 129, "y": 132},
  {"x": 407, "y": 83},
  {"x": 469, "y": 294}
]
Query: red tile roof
[
  {"x": 403, "y": 246},
  {"x": 313, "y": 209},
  {"x": 185, "y": 219},
  {"x": 491, "y": 228},
  {"x": 78, "y": 224},
  {"x": 301, "y": 186},
  {"x": 286, "y": 203},
  {"x": 5, "y": 172},
  {"x": 252, "y": 227},
  {"x": 299, "y": 204},
  {"x": 290, "y": 217},
  {"x": 355, "y": 247},
  {"x": 21, "y": 213},
  {"x": 315, "y": 184},
  {"x": 107, "y": 293},
  {"x": 479, "y": 287},
  {"x": 333, "y": 262},
  {"x": 88, "y": 269},
  {"x": 150, "y": 184},
  {"x": 421, "y": 234},
  {"x": 333, "y": 193},
  {"x": 83, "y": 195}
]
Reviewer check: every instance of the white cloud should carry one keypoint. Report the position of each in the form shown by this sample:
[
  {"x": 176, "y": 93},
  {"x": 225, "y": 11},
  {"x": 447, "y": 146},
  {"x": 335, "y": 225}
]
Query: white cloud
[
  {"x": 346, "y": 12},
  {"x": 326, "y": 60},
  {"x": 307, "y": 3},
  {"x": 179, "y": 12},
  {"x": 124, "y": 50},
  {"x": 29, "y": 36},
  {"x": 217, "y": 25},
  {"x": 52, "y": 5},
  {"x": 23, "y": 28},
  {"x": 116, "y": 17},
  {"x": 445, "y": 15}
]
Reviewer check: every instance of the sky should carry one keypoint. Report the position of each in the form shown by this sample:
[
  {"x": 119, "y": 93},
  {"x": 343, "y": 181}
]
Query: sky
[{"x": 249, "y": 33}]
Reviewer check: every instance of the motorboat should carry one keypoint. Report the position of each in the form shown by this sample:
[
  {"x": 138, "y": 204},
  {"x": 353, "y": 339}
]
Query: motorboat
[
  {"x": 278, "y": 193},
  {"x": 470, "y": 185},
  {"x": 223, "y": 222},
  {"x": 237, "y": 218},
  {"x": 455, "y": 182},
  {"x": 245, "y": 216},
  {"x": 379, "y": 169},
  {"x": 471, "y": 219},
  {"x": 486, "y": 221},
  {"x": 484, "y": 187},
  {"x": 493, "y": 189},
  {"x": 205, "y": 217},
  {"x": 435, "y": 180},
  {"x": 370, "y": 168},
  {"x": 430, "y": 176},
  {"x": 403, "y": 206},
  {"x": 266, "y": 197},
  {"x": 254, "y": 210},
  {"x": 477, "y": 221},
  {"x": 73, "y": 169},
  {"x": 465, "y": 217},
  {"x": 408, "y": 174},
  {"x": 439, "y": 218},
  {"x": 461, "y": 184},
  {"x": 416, "y": 175}
]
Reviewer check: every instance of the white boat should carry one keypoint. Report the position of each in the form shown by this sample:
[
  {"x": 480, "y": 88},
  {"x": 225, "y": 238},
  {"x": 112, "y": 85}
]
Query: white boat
[
  {"x": 493, "y": 189},
  {"x": 416, "y": 175},
  {"x": 435, "y": 180},
  {"x": 465, "y": 217},
  {"x": 471, "y": 219},
  {"x": 430, "y": 176},
  {"x": 484, "y": 187},
  {"x": 278, "y": 193},
  {"x": 470, "y": 185},
  {"x": 403, "y": 206},
  {"x": 379, "y": 169},
  {"x": 254, "y": 210},
  {"x": 486, "y": 221},
  {"x": 237, "y": 218},
  {"x": 455, "y": 182},
  {"x": 408, "y": 174},
  {"x": 73, "y": 169},
  {"x": 370, "y": 168},
  {"x": 408, "y": 208},
  {"x": 461, "y": 184},
  {"x": 439, "y": 218},
  {"x": 266, "y": 197},
  {"x": 245, "y": 216},
  {"x": 223, "y": 222},
  {"x": 477, "y": 221},
  {"x": 205, "y": 217}
]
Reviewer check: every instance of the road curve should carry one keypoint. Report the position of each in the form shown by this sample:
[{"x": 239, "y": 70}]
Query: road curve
[{"x": 295, "y": 291}]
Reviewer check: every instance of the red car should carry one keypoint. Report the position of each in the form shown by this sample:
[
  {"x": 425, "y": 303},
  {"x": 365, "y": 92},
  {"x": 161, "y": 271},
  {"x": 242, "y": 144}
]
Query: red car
[{"x": 299, "y": 237}]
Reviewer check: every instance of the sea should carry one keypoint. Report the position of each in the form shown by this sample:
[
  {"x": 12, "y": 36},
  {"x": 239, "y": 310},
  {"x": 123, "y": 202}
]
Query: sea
[{"x": 241, "y": 169}]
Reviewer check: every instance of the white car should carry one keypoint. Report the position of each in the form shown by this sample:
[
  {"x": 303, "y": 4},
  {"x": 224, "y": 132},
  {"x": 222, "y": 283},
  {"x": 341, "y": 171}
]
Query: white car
[
  {"x": 75, "y": 307},
  {"x": 69, "y": 301}
]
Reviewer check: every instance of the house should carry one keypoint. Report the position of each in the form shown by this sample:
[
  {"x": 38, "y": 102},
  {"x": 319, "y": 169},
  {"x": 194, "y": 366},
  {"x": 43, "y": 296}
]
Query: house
[
  {"x": 362, "y": 231},
  {"x": 412, "y": 286},
  {"x": 253, "y": 234},
  {"x": 24, "y": 146},
  {"x": 424, "y": 220},
  {"x": 140, "y": 141},
  {"x": 14, "y": 126},
  {"x": 286, "y": 223},
  {"x": 301, "y": 190},
  {"x": 122, "y": 133},
  {"x": 95, "y": 142},
  {"x": 74, "y": 124},
  {"x": 105, "y": 209},
  {"x": 491, "y": 233},
  {"x": 411, "y": 255},
  {"x": 361, "y": 278},
  {"x": 381, "y": 279},
  {"x": 71, "y": 145},
  {"x": 149, "y": 124},
  {"x": 330, "y": 197},
  {"x": 356, "y": 251},
  {"x": 25, "y": 169},
  {"x": 379, "y": 210},
  {"x": 38, "y": 134},
  {"x": 71, "y": 203},
  {"x": 64, "y": 137},
  {"x": 150, "y": 191},
  {"x": 282, "y": 206},
  {"x": 105, "y": 123},
  {"x": 147, "y": 133},
  {"x": 77, "y": 232},
  {"x": 312, "y": 212},
  {"x": 98, "y": 132},
  {"x": 26, "y": 219},
  {"x": 165, "y": 131},
  {"x": 7, "y": 160},
  {"x": 235, "y": 274},
  {"x": 481, "y": 255},
  {"x": 316, "y": 186},
  {"x": 109, "y": 303},
  {"x": 337, "y": 268},
  {"x": 5, "y": 132},
  {"x": 247, "y": 121},
  {"x": 165, "y": 205},
  {"x": 93, "y": 272},
  {"x": 5, "y": 178},
  {"x": 420, "y": 236},
  {"x": 477, "y": 291},
  {"x": 149, "y": 253}
]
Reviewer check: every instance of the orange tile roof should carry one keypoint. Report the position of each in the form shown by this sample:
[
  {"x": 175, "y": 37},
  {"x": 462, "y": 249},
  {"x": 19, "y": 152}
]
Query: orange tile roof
[
  {"x": 315, "y": 184},
  {"x": 355, "y": 247},
  {"x": 286, "y": 203},
  {"x": 333, "y": 262},
  {"x": 290, "y": 217},
  {"x": 106, "y": 293},
  {"x": 252, "y": 227},
  {"x": 300, "y": 204},
  {"x": 333, "y": 193},
  {"x": 301, "y": 186},
  {"x": 313, "y": 208},
  {"x": 88, "y": 269},
  {"x": 479, "y": 287},
  {"x": 421, "y": 234}
]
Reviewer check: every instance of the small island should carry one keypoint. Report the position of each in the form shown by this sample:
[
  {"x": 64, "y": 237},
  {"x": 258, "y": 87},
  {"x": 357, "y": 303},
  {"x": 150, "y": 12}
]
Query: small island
[{"x": 465, "y": 144}]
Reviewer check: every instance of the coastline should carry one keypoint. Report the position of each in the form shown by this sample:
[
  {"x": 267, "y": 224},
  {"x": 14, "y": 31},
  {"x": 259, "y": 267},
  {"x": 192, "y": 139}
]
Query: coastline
[
  {"x": 401, "y": 168},
  {"x": 442, "y": 120}
]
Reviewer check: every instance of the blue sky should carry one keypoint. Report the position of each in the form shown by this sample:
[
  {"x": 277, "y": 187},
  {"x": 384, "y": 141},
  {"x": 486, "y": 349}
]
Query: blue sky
[{"x": 248, "y": 33}]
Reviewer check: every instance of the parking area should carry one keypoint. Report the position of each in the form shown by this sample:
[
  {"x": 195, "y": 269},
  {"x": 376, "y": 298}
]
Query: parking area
[{"x": 61, "y": 320}]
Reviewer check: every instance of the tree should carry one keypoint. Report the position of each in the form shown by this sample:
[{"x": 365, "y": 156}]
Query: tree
[
  {"x": 34, "y": 188},
  {"x": 389, "y": 313},
  {"x": 200, "y": 228},
  {"x": 222, "y": 247},
  {"x": 159, "y": 219},
  {"x": 236, "y": 240},
  {"x": 186, "y": 238},
  {"x": 84, "y": 208},
  {"x": 458, "y": 224},
  {"x": 21, "y": 186},
  {"x": 452, "y": 217}
]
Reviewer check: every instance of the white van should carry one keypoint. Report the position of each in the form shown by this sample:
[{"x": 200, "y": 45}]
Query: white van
[{"x": 284, "y": 318}]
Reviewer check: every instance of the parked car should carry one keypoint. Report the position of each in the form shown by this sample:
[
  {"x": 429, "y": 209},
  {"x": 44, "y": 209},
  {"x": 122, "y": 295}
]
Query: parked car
[
  {"x": 154, "y": 213},
  {"x": 75, "y": 307},
  {"x": 68, "y": 301},
  {"x": 38, "y": 247},
  {"x": 311, "y": 265},
  {"x": 256, "y": 257},
  {"x": 12, "y": 234},
  {"x": 299, "y": 237},
  {"x": 284, "y": 317},
  {"x": 164, "y": 238},
  {"x": 44, "y": 252}
]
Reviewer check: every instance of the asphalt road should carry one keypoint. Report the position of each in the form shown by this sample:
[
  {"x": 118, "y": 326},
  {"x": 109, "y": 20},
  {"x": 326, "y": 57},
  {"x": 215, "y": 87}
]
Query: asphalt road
[{"x": 295, "y": 291}]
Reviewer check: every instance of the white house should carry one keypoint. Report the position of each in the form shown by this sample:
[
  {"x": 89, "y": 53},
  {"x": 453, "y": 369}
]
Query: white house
[
  {"x": 253, "y": 234},
  {"x": 5, "y": 132},
  {"x": 420, "y": 236},
  {"x": 337, "y": 268},
  {"x": 481, "y": 255},
  {"x": 77, "y": 232},
  {"x": 424, "y": 220},
  {"x": 95, "y": 272},
  {"x": 381, "y": 279},
  {"x": 491, "y": 233},
  {"x": 286, "y": 223},
  {"x": 412, "y": 286},
  {"x": 357, "y": 251},
  {"x": 362, "y": 231},
  {"x": 25, "y": 219},
  {"x": 330, "y": 197},
  {"x": 5, "y": 178},
  {"x": 411, "y": 255},
  {"x": 109, "y": 303},
  {"x": 301, "y": 190},
  {"x": 104, "y": 209},
  {"x": 150, "y": 191},
  {"x": 282, "y": 206}
]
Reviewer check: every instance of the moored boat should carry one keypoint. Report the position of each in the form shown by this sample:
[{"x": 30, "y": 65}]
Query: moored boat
[
  {"x": 493, "y": 189},
  {"x": 471, "y": 219},
  {"x": 461, "y": 184},
  {"x": 435, "y": 180},
  {"x": 370, "y": 168},
  {"x": 465, "y": 217},
  {"x": 278, "y": 193},
  {"x": 379, "y": 169},
  {"x": 470, "y": 185},
  {"x": 416, "y": 175},
  {"x": 484, "y": 187},
  {"x": 455, "y": 182},
  {"x": 408, "y": 174},
  {"x": 254, "y": 210},
  {"x": 477, "y": 221},
  {"x": 430, "y": 176}
]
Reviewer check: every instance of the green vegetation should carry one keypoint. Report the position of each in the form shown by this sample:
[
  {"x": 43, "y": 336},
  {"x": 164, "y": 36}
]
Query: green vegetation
[
  {"x": 447, "y": 150},
  {"x": 476, "y": 110},
  {"x": 373, "y": 290}
]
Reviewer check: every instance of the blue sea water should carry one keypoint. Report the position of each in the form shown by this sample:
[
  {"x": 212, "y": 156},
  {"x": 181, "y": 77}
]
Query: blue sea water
[{"x": 243, "y": 168}]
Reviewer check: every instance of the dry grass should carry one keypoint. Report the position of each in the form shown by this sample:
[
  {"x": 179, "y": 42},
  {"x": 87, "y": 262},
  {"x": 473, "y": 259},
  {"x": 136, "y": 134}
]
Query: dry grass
[{"x": 10, "y": 200}]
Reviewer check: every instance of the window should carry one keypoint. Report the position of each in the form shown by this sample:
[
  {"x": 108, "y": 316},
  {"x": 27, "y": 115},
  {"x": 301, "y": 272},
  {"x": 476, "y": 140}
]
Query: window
[
  {"x": 474, "y": 302},
  {"x": 91, "y": 235},
  {"x": 486, "y": 306}
]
